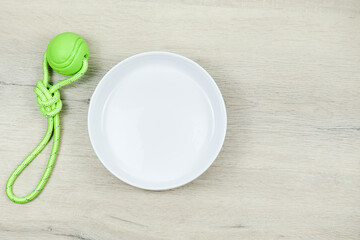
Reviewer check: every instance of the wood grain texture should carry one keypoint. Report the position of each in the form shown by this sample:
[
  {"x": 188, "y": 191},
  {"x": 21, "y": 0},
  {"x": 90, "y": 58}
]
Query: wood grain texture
[{"x": 290, "y": 166}]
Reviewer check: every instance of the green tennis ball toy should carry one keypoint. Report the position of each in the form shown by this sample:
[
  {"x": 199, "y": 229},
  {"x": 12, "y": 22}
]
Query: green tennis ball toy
[{"x": 66, "y": 52}]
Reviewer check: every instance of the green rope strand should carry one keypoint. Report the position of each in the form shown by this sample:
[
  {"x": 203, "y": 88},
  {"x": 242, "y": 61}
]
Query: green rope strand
[{"x": 48, "y": 99}]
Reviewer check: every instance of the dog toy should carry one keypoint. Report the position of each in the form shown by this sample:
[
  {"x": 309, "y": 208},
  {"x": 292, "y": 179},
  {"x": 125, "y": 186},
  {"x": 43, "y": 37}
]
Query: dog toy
[{"x": 66, "y": 54}]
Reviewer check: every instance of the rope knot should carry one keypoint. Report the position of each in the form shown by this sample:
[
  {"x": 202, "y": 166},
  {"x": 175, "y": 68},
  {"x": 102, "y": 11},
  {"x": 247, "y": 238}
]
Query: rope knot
[{"x": 48, "y": 100}]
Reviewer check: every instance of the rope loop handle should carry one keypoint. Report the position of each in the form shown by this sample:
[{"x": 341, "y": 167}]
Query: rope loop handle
[{"x": 49, "y": 102}]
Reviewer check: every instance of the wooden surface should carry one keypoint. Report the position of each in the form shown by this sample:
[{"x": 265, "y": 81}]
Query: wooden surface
[{"x": 289, "y": 72}]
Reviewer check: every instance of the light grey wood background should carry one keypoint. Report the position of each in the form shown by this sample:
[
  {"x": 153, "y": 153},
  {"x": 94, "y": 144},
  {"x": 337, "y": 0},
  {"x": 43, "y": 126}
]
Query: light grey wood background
[{"x": 290, "y": 75}]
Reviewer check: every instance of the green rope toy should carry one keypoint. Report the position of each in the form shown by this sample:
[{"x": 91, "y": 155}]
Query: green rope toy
[{"x": 67, "y": 54}]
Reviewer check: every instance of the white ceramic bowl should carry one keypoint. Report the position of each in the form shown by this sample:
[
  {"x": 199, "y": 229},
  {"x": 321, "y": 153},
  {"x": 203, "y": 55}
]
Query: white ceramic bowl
[{"x": 157, "y": 120}]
